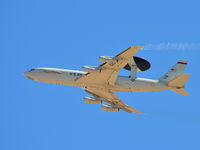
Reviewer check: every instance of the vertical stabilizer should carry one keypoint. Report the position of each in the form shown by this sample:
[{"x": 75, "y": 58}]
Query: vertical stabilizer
[
  {"x": 175, "y": 71},
  {"x": 175, "y": 79}
]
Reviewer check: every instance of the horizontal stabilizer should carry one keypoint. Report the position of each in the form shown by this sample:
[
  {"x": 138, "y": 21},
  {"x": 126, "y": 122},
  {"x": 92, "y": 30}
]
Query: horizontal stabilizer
[
  {"x": 181, "y": 91},
  {"x": 178, "y": 81}
]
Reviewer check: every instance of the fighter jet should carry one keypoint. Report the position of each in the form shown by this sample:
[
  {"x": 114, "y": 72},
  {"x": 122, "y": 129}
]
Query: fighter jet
[{"x": 103, "y": 81}]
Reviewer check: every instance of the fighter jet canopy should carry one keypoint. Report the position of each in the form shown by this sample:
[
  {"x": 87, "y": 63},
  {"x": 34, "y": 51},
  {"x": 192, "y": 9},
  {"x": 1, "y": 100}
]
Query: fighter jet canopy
[{"x": 141, "y": 64}]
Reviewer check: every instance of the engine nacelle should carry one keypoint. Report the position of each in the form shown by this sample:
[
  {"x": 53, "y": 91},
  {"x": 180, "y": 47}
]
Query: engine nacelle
[
  {"x": 107, "y": 59},
  {"x": 91, "y": 69},
  {"x": 108, "y": 107},
  {"x": 92, "y": 100}
]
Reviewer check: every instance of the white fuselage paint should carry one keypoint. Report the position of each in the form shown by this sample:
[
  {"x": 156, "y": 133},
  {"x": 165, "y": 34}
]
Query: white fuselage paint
[{"x": 69, "y": 77}]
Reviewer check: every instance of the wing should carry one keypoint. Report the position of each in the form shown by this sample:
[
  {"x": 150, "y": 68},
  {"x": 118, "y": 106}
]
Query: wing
[
  {"x": 109, "y": 70},
  {"x": 111, "y": 98}
]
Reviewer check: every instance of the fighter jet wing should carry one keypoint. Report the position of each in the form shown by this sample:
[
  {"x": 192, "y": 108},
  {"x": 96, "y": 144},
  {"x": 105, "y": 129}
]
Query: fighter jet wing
[
  {"x": 109, "y": 70},
  {"x": 111, "y": 98}
]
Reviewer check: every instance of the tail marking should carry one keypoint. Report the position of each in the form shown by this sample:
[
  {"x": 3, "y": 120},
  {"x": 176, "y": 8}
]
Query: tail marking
[{"x": 175, "y": 78}]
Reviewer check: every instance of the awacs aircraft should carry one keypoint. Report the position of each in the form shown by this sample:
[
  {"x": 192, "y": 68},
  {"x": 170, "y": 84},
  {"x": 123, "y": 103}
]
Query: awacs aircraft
[{"x": 103, "y": 81}]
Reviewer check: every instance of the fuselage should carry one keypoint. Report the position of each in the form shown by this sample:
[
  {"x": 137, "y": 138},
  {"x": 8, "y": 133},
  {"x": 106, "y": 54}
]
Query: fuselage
[{"x": 69, "y": 77}]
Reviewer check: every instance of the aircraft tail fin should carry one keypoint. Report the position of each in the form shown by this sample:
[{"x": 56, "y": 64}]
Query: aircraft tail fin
[
  {"x": 175, "y": 78},
  {"x": 175, "y": 71}
]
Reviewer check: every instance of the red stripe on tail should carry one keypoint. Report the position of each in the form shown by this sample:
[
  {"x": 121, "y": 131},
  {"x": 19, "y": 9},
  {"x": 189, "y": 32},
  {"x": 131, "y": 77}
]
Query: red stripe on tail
[{"x": 182, "y": 63}]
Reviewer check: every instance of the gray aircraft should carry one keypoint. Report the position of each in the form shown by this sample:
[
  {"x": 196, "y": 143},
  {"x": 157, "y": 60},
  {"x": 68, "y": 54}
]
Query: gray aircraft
[{"x": 103, "y": 81}]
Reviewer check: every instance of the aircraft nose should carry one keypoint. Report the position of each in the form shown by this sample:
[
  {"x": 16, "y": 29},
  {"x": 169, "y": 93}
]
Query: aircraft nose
[
  {"x": 25, "y": 73},
  {"x": 28, "y": 75}
]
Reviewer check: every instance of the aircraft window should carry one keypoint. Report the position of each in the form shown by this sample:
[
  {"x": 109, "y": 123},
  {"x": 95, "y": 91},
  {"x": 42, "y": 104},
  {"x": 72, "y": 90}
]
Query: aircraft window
[
  {"x": 166, "y": 76},
  {"x": 32, "y": 69},
  {"x": 70, "y": 73},
  {"x": 74, "y": 74},
  {"x": 51, "y": 72}
]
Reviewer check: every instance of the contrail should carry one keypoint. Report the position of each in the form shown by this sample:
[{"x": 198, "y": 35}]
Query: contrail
[{"x": 172, "y": 46}]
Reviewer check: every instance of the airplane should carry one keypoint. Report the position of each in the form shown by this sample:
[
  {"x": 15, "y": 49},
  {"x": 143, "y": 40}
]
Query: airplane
[{"x": 103, "y": 81}]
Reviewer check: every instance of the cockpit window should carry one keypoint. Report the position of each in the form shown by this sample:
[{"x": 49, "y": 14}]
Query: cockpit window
[{"x": 31, "y": 70}]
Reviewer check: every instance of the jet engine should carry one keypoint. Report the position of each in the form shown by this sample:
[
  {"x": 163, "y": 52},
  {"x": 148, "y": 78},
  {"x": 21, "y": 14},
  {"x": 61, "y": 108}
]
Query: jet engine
[
  {"x": 141, "y": 64},
  {"x": 108, "y": 107},
  {"x": 107, "y": 59},
  {"x": 91, "y": 69},
  {"x": 92, "y": 100}
]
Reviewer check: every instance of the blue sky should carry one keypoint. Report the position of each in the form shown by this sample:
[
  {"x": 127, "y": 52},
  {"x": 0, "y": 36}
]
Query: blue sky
[{"x": 71, "y": 34}]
